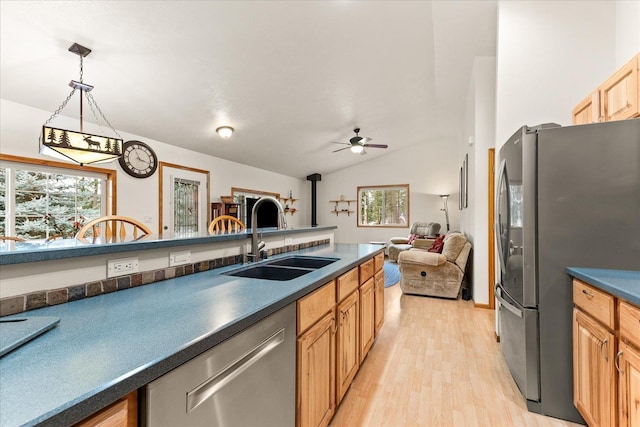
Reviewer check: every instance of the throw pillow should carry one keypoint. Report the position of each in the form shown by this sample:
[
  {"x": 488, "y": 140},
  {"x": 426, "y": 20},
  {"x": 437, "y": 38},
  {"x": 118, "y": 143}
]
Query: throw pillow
[
  {"x": 412, "y": 237},
  {"x": 437, "y": 245}
]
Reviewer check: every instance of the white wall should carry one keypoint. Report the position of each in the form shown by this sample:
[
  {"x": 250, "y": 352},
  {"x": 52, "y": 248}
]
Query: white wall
[
  {"x": 627, "y": 31},
  {"x": 20, "y": 126},
  {"x": 480, "y": 128},
  {"x": 551, "y": 54},
  {"x": 430, "y": 169}
]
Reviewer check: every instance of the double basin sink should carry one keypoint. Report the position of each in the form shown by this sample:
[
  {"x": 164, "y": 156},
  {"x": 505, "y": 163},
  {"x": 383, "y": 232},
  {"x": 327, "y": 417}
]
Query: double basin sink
[{"x": 283, "y": 269}]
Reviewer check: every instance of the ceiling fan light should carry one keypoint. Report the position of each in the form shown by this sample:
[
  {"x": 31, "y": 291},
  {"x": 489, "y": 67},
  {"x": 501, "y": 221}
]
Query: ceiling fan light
[
  {"x": 356, "y": 149},
  {"x": 225, "y": 131}
]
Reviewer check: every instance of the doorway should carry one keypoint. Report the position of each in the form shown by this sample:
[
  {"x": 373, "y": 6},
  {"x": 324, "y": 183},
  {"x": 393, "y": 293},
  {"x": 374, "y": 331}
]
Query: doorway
[{"x": 184, "y": 200}]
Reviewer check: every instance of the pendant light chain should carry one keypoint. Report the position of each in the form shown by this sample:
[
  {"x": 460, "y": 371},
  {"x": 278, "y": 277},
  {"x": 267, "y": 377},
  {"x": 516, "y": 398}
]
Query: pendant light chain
[
  {"x": 90, "y": 100},
  {"x": 60, "y": 108}
]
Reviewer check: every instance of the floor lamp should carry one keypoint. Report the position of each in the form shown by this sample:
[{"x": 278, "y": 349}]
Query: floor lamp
[{"x": 445, "y": 209}]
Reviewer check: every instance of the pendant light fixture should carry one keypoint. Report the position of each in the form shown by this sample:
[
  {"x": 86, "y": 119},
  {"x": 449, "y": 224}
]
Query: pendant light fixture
[{"x": 79, "y": 146}]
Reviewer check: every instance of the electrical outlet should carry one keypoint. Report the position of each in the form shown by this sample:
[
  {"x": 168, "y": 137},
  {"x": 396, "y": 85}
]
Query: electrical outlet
[
  {"x": 120, "y": 267},
  {"x": 288, "y": 241},
  {"x": 179, "y": 258}
]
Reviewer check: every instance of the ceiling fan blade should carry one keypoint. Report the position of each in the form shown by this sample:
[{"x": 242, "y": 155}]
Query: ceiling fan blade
[
  {"x": 340, "y": 149},
  {"x": 345, "y": 143},
  {"x": 376, "y": 145},
  {"x": 365, "y": 139}
]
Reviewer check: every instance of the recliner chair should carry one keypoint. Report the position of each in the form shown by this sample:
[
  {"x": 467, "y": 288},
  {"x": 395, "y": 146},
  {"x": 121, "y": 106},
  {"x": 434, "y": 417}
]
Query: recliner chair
[
  {"x": 435, "y": 274},
  {"x": 425, "y": 234}
]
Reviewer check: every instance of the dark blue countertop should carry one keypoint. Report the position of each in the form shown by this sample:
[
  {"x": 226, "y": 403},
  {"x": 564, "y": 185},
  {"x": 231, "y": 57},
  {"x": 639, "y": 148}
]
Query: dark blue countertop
[
  {"x": 35, "y": 251},
  {"x": 107, "y": 346},
  {"x": 619, "y": 283}
]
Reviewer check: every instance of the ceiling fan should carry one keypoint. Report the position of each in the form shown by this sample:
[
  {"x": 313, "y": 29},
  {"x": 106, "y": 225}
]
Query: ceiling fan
[{"x": 358, "y": 143}]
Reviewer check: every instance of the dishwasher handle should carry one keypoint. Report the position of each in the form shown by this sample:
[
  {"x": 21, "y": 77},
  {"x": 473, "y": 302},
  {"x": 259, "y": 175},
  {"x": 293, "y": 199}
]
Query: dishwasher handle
[{"x": 214, "y": 384}]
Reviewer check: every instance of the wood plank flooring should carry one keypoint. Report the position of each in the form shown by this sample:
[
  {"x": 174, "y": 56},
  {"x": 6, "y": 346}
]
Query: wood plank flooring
[{"x": 435, "y": 363}]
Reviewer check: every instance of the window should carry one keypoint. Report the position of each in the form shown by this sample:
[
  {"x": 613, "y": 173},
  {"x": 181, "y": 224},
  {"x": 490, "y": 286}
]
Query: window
[
  {"x": 51, "y": 200},
  {"x": 383, "y": 206}
]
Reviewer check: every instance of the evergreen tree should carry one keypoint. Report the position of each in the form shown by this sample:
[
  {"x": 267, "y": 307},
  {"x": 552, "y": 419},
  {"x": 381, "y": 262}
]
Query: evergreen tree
[{"x": 64, "y": 139}]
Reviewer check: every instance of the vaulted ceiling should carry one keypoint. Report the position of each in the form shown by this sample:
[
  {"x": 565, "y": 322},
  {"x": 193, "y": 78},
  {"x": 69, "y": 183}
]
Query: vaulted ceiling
[{"x": 289, "y": 76}]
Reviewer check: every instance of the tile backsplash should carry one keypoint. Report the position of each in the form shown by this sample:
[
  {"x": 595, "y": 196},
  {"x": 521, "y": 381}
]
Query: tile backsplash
[{"x": 31, "y": 301}]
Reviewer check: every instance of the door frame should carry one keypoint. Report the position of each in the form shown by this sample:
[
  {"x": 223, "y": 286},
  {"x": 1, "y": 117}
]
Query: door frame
[
  {"x": 161, "y": 166},
  {"x": 490, "y": 225}
]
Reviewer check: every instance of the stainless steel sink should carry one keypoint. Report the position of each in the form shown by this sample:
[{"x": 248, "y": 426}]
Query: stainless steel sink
[
  {"x": 269, "y": 272},
  {"x": 283, "y": 269},
  {"x": 303, "y": 261}
]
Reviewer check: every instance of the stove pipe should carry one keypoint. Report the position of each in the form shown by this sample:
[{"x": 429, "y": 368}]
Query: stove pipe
[{"x": 314, "y": 178}]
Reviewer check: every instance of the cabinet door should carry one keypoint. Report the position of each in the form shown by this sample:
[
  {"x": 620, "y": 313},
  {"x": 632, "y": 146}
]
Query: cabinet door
[
  {"x": 316, "y": 398},
  {"x": 619, "y": 93},
  {"x": 379, "y": 301},
  {"x": 367, "y": 317},
  {"x": 587, "y": 110},
  {"x": 347, "y": 362},
  {"x": 593, "y": 371},
  {"x": 122, "y": 413},
  {"x": 629, "y": 385}
]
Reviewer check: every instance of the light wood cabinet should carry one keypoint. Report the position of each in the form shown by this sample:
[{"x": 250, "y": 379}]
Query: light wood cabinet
[
  {"x": 378, "y": 286},
  {"x": 593, "y": 370},
  {"x": 617, "y": 98},
  {"x": 628, "y": 365},
  {"x": 367, "y": 318},
  {"x": 628, "y": 361},
  {"x": 348, "y": 360},
  {"x": 122, "y": 413},
  {"x": 329, "y": 336},
  {"x": 606, "y": 380},
  {"x": 316, "y": 401}
]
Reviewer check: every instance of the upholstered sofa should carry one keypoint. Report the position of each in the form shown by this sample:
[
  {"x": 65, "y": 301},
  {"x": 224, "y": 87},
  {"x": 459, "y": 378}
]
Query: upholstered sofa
[
  {"x": 435, "y": 274},
  {"x": 423, "y": 233}
]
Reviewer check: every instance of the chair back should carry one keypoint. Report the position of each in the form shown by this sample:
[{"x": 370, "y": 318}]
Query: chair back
[
  {"x": 11, "y": 239},
  {"x": 112, "y": 229},
  {"x": 425, "y": 228},
  {"x": 226, "y": 224}
]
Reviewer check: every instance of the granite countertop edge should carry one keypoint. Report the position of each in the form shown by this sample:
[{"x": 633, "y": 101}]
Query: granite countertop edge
[
  {"x": 624, "y": 284},
  {"x": 53, "y": 252},
  {"x": 83, "y": 405}
]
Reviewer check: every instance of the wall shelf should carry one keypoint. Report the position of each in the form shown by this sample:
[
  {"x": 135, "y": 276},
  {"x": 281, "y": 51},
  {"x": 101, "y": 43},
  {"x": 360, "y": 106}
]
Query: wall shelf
[
  {"x": 339, "y": 211},
  {"x": 285, "y": 201}
]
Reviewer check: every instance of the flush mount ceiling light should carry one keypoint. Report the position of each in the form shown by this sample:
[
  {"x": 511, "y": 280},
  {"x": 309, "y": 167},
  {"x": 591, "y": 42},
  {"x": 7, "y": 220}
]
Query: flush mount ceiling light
[
  {"x": 225, "y": 131},
  {"x": 81, "y": 147}
]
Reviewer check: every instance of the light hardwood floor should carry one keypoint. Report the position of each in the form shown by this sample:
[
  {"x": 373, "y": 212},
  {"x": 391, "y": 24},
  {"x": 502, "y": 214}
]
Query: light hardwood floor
[{"x": 435, "y": 363}]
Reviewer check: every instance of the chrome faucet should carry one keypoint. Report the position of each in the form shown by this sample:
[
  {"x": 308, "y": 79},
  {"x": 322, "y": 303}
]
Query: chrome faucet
[{"x": 257, "y": 245}]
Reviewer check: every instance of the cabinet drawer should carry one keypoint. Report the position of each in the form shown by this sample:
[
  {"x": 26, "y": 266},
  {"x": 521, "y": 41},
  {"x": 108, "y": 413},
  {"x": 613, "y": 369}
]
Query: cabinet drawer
[
  {"x": 629, "y": 322},
  {"x": 315, "y": 305},
  {"x": 366, "y": 270},
  {"x": 378, "y": 261},
  {"x": 347, "y": 283},
  {"x": 597, "y": 303}
]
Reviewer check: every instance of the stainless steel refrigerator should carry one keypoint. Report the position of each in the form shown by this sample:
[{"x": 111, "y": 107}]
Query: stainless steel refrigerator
[{"x": 567, "y": 196}]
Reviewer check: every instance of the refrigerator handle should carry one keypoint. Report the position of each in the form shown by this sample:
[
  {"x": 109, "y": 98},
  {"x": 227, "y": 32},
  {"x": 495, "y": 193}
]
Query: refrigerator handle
[
  {"x": 502, "y": 177},
  {"x": 504, "y": 303}
]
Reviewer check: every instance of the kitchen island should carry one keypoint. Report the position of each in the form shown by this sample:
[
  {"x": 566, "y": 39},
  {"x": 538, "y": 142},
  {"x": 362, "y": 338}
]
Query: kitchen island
[{"x": 110, "y": 345}]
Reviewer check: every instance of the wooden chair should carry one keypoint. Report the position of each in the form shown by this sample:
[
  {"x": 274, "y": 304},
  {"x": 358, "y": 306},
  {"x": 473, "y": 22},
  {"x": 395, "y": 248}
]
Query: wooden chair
[
  {"x": 116, "y": 229},
  {"x": 11, "y": 239},
  {"x": 226, "y": 224}
]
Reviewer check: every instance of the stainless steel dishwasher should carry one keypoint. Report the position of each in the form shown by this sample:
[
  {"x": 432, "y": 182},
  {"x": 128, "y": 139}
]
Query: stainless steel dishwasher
[{"x": 247, "y": 380}]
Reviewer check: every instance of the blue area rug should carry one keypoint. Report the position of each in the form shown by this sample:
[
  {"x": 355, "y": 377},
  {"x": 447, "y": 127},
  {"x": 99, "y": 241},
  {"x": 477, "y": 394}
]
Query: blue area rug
[{"x": 391, "y": 274}]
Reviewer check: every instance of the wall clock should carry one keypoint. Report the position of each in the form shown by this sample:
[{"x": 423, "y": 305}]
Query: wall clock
[{"x": 138, "y": 159}]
